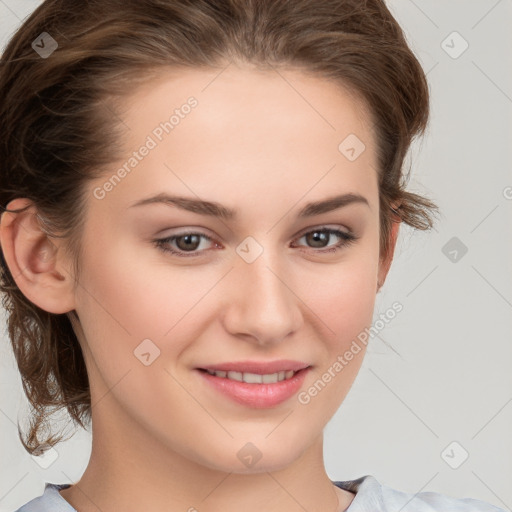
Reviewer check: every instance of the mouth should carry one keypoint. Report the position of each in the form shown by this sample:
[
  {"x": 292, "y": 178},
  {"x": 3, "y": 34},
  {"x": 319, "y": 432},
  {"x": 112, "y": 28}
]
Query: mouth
[
  {"x": 256, "y": 385},
  {"x": 252, "y": 378}
]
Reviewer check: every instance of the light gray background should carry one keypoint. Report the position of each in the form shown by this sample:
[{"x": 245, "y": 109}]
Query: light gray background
[{"x": 440, "y": 370}]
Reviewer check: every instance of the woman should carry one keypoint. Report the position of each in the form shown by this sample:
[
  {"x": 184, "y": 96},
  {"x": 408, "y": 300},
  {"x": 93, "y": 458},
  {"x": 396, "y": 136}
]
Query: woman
[{"x": 201, "y": 201}]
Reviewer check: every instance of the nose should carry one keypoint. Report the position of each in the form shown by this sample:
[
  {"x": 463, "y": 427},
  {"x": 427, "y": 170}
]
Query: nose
[{"x": 263, "y": 305}]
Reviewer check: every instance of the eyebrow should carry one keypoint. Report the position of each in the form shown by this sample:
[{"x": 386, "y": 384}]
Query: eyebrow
[{"x": 215, "y": 209}]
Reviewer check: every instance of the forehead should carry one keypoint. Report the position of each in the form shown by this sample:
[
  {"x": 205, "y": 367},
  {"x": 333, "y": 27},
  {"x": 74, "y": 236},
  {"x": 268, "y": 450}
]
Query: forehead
[
  {"x": 238, "y": 132},
  {"x": 235, "y": 96}
]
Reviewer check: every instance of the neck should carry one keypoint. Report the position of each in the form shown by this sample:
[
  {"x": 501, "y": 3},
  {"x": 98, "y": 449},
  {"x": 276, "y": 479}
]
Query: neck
[{"x": 131, "y": 470}]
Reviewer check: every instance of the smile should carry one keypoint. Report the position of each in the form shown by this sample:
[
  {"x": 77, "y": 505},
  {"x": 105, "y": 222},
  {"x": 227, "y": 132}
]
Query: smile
[
  {"x": 254, "y": 378},
  {"x": 255, "y": 390}
]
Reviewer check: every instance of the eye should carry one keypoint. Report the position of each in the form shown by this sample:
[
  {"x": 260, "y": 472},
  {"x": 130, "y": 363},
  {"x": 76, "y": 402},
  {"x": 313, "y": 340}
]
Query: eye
[
  {"x": 187, "y": 244},
  {"x": 318, "y": 237}
]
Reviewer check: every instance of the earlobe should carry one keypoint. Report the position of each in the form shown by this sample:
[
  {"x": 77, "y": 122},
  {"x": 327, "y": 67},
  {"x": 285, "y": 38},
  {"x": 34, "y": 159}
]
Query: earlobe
[{"x": 34, "y": 260}]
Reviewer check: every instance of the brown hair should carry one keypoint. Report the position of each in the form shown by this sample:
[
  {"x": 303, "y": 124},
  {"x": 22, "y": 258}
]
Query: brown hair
[{"x": 59, "y": 127}]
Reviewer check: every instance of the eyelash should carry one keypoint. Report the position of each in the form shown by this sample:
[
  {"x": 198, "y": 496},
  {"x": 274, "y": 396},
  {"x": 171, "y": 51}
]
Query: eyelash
[{"x": 346, "y": 239}]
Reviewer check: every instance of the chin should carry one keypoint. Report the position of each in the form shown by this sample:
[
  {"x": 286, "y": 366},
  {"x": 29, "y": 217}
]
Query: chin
[{"x": 246, "y": 456}]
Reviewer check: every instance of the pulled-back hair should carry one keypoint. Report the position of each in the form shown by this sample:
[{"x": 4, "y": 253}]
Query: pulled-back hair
[{"x": 59, "y": 127}]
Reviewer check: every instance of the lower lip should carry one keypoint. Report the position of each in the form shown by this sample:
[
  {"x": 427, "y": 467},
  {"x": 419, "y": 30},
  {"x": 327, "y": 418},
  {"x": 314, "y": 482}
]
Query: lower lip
[{"x": 259, "y": 396}]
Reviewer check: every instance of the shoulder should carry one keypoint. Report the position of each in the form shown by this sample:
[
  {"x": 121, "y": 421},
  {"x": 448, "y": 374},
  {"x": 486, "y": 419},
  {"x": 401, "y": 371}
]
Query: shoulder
[
  {"x": 49, "y": 501},
  {"x": 372, "y": 496}
]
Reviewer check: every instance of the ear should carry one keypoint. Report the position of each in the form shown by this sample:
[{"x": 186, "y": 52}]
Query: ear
[
  {"x": 385, "y": 261},
  {"x": 35, "y": 262}
]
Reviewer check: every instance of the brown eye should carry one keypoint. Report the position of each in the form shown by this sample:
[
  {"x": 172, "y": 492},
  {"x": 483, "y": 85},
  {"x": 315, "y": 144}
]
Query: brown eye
[
  {"x": 183, "y": 243},
  {"x": 188, "y": 242},
  {"x": 319, "y": 238}
]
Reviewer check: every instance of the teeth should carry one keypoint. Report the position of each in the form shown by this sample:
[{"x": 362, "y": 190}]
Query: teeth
[
  {"x": 254, "y": 378},
  {"x": 251, "y": 378},
  {"x": 235, "y": 376},
  {"x": 270, "y": 379}
]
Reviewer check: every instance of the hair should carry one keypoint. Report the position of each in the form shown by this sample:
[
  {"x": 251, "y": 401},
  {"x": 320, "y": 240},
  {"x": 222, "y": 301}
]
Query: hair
[{"x": 59, "y": 127}]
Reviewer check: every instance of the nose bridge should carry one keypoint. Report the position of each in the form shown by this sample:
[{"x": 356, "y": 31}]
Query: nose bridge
[
  {"x": 264, "y": 281},
  {"x": 263, "y": 304}
]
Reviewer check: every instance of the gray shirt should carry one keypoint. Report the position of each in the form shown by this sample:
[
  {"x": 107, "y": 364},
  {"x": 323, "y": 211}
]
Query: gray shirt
[{"x": 371, "y": 496}]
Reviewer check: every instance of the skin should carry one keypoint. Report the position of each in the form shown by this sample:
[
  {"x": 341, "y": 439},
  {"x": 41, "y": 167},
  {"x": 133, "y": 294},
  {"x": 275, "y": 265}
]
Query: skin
[{"x": 162, "y": 438}]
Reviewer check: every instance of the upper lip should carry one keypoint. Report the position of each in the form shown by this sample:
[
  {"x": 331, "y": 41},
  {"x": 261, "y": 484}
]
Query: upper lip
[{"x": 257, "y": 367}]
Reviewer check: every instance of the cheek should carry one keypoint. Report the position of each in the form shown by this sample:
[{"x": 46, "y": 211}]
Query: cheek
[
  {"x": 351, "y": 304},
  {"x": 343, "y": 295},
  {"x": 343, "y": 303},
  {"x": 346, "y": 311},
  {"x": 132, "y": 291},
  {"x": 129, "y": 295}
]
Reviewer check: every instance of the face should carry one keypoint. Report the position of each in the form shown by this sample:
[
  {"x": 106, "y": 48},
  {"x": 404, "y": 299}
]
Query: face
[{"x": 166, "y": 292}]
